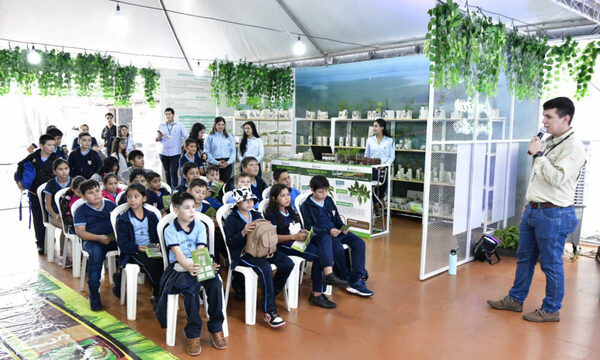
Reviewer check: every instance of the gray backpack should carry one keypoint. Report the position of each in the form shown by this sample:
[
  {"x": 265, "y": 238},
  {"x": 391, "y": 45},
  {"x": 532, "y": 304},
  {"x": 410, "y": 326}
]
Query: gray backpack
[{"x": 262, "y": 242}]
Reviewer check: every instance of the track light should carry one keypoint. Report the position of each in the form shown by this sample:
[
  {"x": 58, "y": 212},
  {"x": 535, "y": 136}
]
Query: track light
[
  {"x": 299, "y": 47},
  {"x": 33, "y": 57},
  {"x": 118, "y": 21}
]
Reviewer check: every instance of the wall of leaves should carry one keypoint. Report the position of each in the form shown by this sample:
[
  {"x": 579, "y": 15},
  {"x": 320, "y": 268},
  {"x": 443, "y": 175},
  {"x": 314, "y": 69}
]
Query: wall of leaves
[
  {"x": 60, "y": 74},
  {"x": 263, "y": 87},
  {"x": 469, "y": 47}
]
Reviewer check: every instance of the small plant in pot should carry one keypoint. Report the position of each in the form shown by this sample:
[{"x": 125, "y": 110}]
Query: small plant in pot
[
  {"x": 310, "y": 112},
  {"x": 509, "y": 241},
  {"x": 357, "y": 113},
  {"x": 343, "y": 110}
]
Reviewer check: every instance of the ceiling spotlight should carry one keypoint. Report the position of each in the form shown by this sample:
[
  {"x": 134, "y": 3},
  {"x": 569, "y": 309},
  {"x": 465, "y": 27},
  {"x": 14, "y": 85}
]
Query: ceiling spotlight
[
  {"x": 199, "y": 70},
  {"x": 299, "y": 47},
  {"x": 118, "y": 21},
  {"x": 33, "y": 57}
]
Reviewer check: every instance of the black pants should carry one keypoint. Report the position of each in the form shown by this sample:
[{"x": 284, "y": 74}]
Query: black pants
[
  {"x": 153, "y": 268},
  {"x": 38, "y": 220},
  {"x": 170, "y": 166},
  {"x": 225, "y": 173}
]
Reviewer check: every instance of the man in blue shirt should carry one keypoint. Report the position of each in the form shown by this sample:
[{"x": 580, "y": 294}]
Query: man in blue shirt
[
  {"x": 170, "y": 135},
  {"x": 84, "y": 161},
  {"x": 92, "y": 224}
]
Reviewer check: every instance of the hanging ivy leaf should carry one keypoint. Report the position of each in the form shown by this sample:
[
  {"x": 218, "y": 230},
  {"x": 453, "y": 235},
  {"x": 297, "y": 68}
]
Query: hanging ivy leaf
[
  {"x": 5, "y": 71},
  {"x": 85, "y": 73},
  {"x": 124, "y": 84},
  {"x": 151, "y": 85},
  {"x": 107, "y": 69},
  {"x": 23, "y": 73},
  {"x": 584, "y": 68}
]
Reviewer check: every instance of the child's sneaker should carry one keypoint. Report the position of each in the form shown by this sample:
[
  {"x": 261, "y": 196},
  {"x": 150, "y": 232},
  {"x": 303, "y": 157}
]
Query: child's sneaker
[
  {"x": 274, "y": 319},
  {"x": 332, "y": 279},
  {"x": 95, "y": 303},
  {"x": 359, "y": 288}
]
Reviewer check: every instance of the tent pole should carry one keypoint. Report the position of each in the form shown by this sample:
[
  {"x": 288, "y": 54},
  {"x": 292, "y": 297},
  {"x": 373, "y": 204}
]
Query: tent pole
[
  {"x": 300, "y": 26},
  {"x": 164, "y": 10}
]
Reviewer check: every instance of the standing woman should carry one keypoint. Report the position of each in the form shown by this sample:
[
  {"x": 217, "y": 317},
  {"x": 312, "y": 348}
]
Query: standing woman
[
  {"x": 123, "y": 132},
  {"x": 380, "y": 146},
  {"x": 251, "y": 145},
  {"x": 171, "y": 134},
  {"x": 197, "y": 133},
  {"x": 119, "y": 152},
  {"x": 220, "y": 149}
]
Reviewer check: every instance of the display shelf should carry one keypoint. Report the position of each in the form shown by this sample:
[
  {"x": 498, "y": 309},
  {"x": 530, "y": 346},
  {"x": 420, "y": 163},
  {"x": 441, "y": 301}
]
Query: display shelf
[
  {"x": 408, "y": 181},
  {"x": 413, "y": 213},
  {"x": 305, "y": 119},
  {"x": 308, "y": 145},
  {"x": 404, "y": 120},
  {"x": 442, "y": 184},
  {"x": 441, "y": 217},
  {"x": 470, "y": 119},
  {"x": 262, "y": 119},
  {"x": 445, "y": 152},
  {"x": 410, "y": 150},
  {"x": 276, "y": 145},
  {"x": 350, "y": 147}
]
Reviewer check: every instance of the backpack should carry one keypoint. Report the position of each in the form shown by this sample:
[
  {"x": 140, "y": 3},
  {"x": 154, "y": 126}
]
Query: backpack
[
  {"x": 262, "y": 242},
  {"x": 485, "y": 248},
  {"x": 28, "y": 176}
]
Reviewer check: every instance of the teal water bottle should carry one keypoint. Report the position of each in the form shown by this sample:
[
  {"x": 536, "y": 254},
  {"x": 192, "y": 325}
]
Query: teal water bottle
[{"x": 452, "y": 262}]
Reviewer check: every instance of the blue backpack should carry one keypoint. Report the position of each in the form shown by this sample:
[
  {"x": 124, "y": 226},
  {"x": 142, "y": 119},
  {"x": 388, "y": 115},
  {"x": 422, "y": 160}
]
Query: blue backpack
[{"x": 28, "y": 176}]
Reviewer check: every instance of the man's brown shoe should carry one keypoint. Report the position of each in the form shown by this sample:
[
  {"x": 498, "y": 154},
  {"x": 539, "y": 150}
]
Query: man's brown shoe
[
  {"x": 506, "y": 303},
  {"x": 218, "y": 340},
  {"x": 540, "y": 315},
  {"x": 193, "y": 346}
]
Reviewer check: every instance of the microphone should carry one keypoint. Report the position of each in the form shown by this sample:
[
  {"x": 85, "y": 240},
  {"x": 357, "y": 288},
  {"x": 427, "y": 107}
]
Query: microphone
[{"x": 540, "y": 135}]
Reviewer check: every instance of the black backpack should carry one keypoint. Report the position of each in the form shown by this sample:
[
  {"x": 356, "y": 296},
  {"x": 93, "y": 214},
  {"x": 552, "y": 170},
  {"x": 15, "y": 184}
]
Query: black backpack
[{"x": 485, "y": 249}]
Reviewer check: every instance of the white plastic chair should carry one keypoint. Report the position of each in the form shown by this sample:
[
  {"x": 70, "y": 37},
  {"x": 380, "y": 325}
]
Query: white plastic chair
[
  {"x": 50, "y": 235},
  {"x": 129, "y": 278},
  {"x": 123, "y": 187},
  {"x": 266, "y": 193},
  {"x": 118, "y": 198},
  {"x": 228, "y": 195},
  {"x": 251, "y": 278},
  {"x": 166, "y": 186},
  {"x": 204, "y": 178},
  {"x": 110, "y": 260},
  {"x": 173, "y": 299},
  {"x": 262, "y": 206},
  {"x": 75, "y": 251}
]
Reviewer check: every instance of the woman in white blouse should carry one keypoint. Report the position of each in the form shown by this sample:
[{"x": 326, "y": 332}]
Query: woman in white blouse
[
  {"x": 380, "y": 146},
  {"x": 251, "y": 145}
]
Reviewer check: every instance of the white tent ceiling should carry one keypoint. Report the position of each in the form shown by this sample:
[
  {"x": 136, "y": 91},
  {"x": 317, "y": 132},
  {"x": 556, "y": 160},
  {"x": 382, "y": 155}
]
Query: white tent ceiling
[{"x": 256, "y": 30}]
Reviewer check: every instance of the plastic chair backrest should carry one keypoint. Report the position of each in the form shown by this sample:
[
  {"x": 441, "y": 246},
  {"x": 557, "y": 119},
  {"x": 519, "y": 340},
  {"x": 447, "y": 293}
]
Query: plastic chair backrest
[
  {"x": 118, "y": 198},
  {"x": 204, "y": 178},
  {"x": 300, "y": 199},
  {"x": 262, "y": 207},
  {"x": 57, "y": 197},
  {"x": 222, "y": 214},
  {"x": 228, "y": 195},
  {"x": 166, "y": 186},
  {"x": 124, "y": 207},
  {"x": 76, "y": 206},
  {"x": 40, "y": 194},
  {"x": 123, "y": 187},
  {"x": 266, "y": 193}
]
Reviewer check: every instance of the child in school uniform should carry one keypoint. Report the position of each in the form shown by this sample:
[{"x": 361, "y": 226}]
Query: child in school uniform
[
  {"x": 181, "y": 237},
  {"x": 320, "y": 249},
  {"x": 92, "y": 224},
  {"x": 155, "y": 186},
  {"x": 238, "y": 225},
  {"x": 84, "y": 161},
  {"x": 41, "y": 160},
  {"x": 138, "y": 176},
  {"x": 282, "y": 176},
  {"x": 198, "y": 189},
  {"x": 189, "y": 171},
  {"x": 242, "y": 180},
  {"x": 111, "y": 187},
  {"x": 110, "y": 165},
  {"x": 319, "y": 211},
  {"x": 60, "y": 181},
  {"x": 67, "y": 200},
  {"x": 257, "y": 184},
  {"x": 190, "y": 155},
  {"x": 136, "y": 159},
  {"x": 136, "y": 229}
]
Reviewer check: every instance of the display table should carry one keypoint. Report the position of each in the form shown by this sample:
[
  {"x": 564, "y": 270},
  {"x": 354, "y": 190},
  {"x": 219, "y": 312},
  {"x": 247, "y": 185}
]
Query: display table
[{"x": 351, "y": 190}]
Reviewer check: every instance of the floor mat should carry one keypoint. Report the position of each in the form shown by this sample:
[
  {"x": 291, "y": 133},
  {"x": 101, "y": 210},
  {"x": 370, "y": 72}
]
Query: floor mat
[{"x": 42, "y": 318}]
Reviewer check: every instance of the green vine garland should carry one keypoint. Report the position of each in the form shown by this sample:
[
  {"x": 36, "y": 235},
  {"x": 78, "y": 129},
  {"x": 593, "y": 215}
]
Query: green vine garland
[
  {"x": 584, "y": 68},
  {"x": 151, "y": 85},
  {"x": 124, "y": 84}
]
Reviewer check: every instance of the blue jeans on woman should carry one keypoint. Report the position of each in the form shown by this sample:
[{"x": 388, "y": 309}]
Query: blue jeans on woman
[{"x": 543, "y": 233}]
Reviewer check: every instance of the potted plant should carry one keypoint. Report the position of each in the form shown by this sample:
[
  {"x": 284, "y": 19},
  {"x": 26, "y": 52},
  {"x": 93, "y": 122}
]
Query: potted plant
[
  {"x": 310, "y": 112},
  {"x": 322, "y": 114},
  {"x": 509, "y": 241},
  {"x": 357, "y": 113},
  {"x": 343, "y": 110}
]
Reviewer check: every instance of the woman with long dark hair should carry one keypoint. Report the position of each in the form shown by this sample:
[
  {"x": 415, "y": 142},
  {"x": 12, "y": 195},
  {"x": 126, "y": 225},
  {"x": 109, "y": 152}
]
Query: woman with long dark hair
[
  {"x": 119, "y": 151},
  {"x": 220, "y": 149},
  {"x": 251, "y": 145},
  {"x": 123, "y": 131},
  {"x": 381, "y": 146}
]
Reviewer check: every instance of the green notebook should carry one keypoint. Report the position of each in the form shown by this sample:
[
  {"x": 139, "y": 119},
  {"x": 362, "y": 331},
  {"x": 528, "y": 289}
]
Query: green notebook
[
  {"x": 211, "y": 212},
  {"x": 345, "y": 227},
  {"x": 153, "y": 251},
  {"x": 302, "y": 245},
  {"x": 167, "y": 200},
  {"x": 215, "y": 187},
  {"x": 202, "y": 256}
]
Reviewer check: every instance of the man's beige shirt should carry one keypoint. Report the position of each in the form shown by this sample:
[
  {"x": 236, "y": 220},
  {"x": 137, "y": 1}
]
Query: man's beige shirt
[{"x": 554, "y": 175}]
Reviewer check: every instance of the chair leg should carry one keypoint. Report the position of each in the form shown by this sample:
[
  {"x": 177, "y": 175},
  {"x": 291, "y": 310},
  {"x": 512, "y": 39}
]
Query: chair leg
[
  {"x": 286, "y": 290},
  {"x": 329, "y": 290},
  {"x": 224, "y": 310},
  {"x": 76, "y": 254},
  {"x": 124, "y": 274},
  {"x": 293, "y": 283},
  {"x": 251, "y": 289},
  {"x": 82, "y": 273},
  {"x": 302, "y": 270},
  {"x": 112, "y": 268},
  {"x": 65, "y": 252},
  {"x": 172, "y": 304},
  {"x": 227, "y": 287},
  {"x": 132, "y": 274},
  {"x": 50, "y": 233}
]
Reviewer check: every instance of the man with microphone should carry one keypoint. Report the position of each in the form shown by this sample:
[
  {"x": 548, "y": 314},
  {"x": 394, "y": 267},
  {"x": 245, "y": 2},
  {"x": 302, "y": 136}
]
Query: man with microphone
[{"x": 549, "y": 215}]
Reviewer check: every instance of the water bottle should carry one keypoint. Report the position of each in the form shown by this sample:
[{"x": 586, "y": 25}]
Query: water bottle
[{"x": 452, "y": 263}]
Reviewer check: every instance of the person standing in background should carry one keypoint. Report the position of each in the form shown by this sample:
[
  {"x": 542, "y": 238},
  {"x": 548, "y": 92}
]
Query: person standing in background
[
  {"x": 171, "y": 134},
  {"x": 84, "y": 128},
  {"x": 124, "y": 133},
  {"x": 380, "y": 146},
  {"x": 251, "y": 145},
  {"x": 220, "y": 149},
  {"x": 109, "y": 133}
]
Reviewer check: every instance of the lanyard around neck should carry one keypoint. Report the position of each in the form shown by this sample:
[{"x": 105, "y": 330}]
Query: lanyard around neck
[{"x": 560, "y": 142}]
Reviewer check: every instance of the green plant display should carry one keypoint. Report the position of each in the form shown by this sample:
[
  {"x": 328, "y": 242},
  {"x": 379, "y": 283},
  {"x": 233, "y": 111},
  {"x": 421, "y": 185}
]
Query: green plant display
[
  {"x": 151, "y": 85},
  {"x": 362, "y": 193},
  {"x": 23, "y": 73},
  {"x": 342, "y": 105},
  {"x": 526, "y": 65},
  {"x": 491, "y": 56},
  {"x": 54, "y": 77},
  {"x": 509, "y": 237},
  {"x": 584, "y": 68},
  {"x": 85, "y": 73},
  {"x": 124, "y": 84},
  {"x": 560, "y": 60},
  {"x": 5, "y": 75}
]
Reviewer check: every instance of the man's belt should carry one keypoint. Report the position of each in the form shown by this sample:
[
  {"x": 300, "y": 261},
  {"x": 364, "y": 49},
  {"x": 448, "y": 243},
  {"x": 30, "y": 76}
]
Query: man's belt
[{"x": 542, "y": 205}]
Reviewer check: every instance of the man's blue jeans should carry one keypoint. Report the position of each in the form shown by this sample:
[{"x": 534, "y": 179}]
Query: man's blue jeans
[{"x": 543, "y": 233}]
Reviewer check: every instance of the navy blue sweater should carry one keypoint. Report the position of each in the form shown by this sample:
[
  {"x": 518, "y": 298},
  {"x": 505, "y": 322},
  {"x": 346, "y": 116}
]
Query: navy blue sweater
[
  {"x": 311, "y": 216},
  {"x": 43, "y": 169},
  {"x": 84, "y": 165},
  {"x": 233, "y": 234},
  {"x": 126, "y": 235}
]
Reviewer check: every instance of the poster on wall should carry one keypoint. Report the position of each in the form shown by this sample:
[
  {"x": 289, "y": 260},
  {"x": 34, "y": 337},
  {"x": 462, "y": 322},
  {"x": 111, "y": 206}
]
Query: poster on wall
[
  {"x": 350, "y": 188},
  {"x": 189, "y": 95}
]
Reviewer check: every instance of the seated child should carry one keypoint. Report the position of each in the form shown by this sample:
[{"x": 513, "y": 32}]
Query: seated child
[
  {"x": 92, "y": 224},
  {"x": 237, "y": 226},
  {"x": 84, "y": 161},
  {"x": 241, "y": 180},
  {"x": 110, "y": 165},
  {"x": 62, "y": 179},
  {"x": 138, "y": 176},
  {"x": 198, "y": 190},
  {"x": 319, "y": 211},
  {"x": 183, "y": 235},
  {"x": 320, "y": 249},
  {"x": 111, "y": 187},
  {"x": 190, "y": 155},
  {"x": 189, "y": 171},
  {"x": 257, "y": 184},
  {"x": 67, "y": 200},
  {"x": 136, "y": 159},
  {"x": 155, "y": 186},
  {"x": 136, "y": 229},
  {"x": 282, "y": 176}
]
